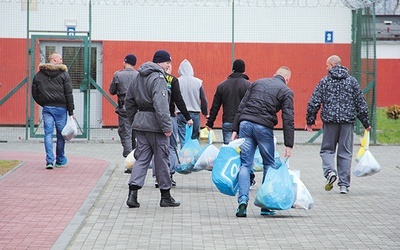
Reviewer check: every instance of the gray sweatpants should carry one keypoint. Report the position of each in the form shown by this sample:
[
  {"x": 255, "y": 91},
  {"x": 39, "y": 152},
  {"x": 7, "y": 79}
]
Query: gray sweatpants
[
  {"x": 337, "y": 136},
  {"x": 149, "y": 144}
]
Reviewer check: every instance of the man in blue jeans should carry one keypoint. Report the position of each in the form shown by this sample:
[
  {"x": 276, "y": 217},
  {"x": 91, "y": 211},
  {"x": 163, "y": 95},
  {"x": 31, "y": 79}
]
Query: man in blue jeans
[
  {"x": 52, "y": 89},
  {"x": 255, "y": 122}
]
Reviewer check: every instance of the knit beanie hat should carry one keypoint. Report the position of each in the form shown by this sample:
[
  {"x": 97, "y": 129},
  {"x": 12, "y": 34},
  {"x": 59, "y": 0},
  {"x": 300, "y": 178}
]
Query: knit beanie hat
[
  {"x": 161, "y": 56},
  {"x": 131, "y": 59},
  {"x": 238, "y": 66}
]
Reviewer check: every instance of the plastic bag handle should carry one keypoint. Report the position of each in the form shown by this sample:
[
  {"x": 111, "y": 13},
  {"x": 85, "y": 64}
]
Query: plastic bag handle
[
  {"x": 189, "y": 132},
  {"x": 367, "y": 140}
]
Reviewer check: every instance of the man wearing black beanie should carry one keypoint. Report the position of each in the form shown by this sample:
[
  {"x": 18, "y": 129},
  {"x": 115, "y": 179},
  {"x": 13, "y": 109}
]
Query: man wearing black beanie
[
  {"x": 229, "y": 93},
  {"x": 147, "y": 108}
]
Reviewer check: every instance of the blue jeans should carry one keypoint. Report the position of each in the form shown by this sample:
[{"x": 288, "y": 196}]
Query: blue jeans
[
  {"x": 54, "y": 116},
  {"x": 255, "y": 135},
  {"x": 182, "y": 127},
  {"x": 227, "y": 132}
]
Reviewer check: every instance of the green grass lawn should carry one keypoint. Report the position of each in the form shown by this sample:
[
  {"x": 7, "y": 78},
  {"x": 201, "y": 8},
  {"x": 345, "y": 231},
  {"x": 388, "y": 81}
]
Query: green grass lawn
[
  {"x": 388, "y": 130},
  {"x": 6, "y": 165}
]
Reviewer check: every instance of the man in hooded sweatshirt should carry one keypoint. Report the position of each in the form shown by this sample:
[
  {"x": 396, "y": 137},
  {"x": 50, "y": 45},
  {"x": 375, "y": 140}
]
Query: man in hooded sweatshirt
[
  {"x": 195, "y": 99},
  {"x": 147, "y": 107},
  {"x": 52, "y": 89}
]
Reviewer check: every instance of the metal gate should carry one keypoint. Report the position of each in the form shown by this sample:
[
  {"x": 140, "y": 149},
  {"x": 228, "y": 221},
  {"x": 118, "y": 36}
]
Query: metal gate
[{"x": 84, "y": 67}]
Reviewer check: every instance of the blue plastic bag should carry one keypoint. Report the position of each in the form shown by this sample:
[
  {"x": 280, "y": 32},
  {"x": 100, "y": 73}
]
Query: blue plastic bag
[
  {"x": 277, "y": 192},
  {"x": 225, "y": 170},
  {"x": 258, "y": 161},
  {"x": 188, "y": 152}
]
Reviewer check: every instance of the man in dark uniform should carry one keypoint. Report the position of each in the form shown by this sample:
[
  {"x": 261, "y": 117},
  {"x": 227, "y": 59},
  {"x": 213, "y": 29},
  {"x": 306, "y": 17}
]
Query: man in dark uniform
[
  {"x": 147, "y": 107},
  {"x": 119, "y": 85}
]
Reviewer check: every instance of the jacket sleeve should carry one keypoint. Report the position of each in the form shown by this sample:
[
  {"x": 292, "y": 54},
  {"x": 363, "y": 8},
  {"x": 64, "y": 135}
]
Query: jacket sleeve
[
  {"x": 68, "y": 94},
  {"x": 177, "y": 99},
  {"x": 204, "y": 102},
  {"x": 314, "y": 104},
  {"x": 35, "y": 91},
  {"x": 215, "y": 106},
  {"x": 288, "y": 118},
  {"x": 113, "y": 85},
  {"x": 361, "y": 105},
  {"x": 130, "y": 103}
]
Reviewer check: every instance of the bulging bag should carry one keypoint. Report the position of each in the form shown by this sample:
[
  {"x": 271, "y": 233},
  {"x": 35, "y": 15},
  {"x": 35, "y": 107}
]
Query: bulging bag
[
  {"x": 304, "y": 199},
  {"x": 188, "y": 152},
  {"x": 130, "y": 160},
  {"x": 367, "y": 165},
  {"x": 70, "y": 130},
  {"x": 207, "y": 158},
  {"x": 277, "y": 192},
  {"x": 206, "y": 134},
  {"x": 225, "y": 170}
]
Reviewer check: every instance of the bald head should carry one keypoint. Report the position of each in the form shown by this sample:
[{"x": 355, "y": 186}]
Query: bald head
[
  {"x": 55, "y": 58},
  {"x": 284, "y": 72},
  {"x": 333, "y": 61}
]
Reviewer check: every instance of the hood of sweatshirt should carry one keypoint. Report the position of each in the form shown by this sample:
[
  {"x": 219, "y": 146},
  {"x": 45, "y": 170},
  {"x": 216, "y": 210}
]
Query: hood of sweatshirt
[
  {"x": 339, "y": 72},
  {"x": 185, "y": 68},
  {"x": 147, "y": 68}
]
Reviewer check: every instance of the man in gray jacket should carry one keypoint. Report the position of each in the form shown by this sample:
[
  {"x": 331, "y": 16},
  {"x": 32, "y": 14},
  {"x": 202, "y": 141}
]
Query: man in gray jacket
[
  {"x": 119, "y": 85},
  {"x": 147, "y": 108}
]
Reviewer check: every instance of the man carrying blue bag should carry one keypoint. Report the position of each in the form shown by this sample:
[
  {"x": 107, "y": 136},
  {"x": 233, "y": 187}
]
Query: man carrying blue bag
[{"x": 255, "y": 122}]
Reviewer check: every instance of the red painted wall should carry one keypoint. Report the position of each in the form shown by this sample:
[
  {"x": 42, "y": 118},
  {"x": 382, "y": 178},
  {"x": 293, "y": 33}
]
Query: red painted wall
[
  {"x": 388, "y": 82},
  {"x": 211, "y": 63},
  {"x": 13, "y": 60}
]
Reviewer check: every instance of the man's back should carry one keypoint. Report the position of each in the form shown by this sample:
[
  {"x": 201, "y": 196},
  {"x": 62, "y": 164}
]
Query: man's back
[
  {"x": 189, "y": 86},
  {"x": 229, "y": 93}
]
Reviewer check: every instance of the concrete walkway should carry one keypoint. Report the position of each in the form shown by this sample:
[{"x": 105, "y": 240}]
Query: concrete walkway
[{"x": 82, "y": 206}]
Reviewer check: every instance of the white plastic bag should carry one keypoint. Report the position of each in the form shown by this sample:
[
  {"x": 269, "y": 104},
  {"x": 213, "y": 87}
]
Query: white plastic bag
[
  {"x": 367, "y": 165},
  {"x": 70, "y": 130},
  {"x": 130, "y": 160},
  {"x": 304, "y": 199},
  {"x": 207, "y": 158}
]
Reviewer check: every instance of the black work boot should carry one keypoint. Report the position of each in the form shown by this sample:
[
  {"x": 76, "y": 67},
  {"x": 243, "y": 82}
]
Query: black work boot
[
  {"x": 132, "y": 199},
  {"x": 167, "y": 200}
]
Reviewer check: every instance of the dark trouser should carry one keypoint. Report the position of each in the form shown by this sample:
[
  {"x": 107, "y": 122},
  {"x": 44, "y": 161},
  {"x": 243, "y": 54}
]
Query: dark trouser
[
  {"x": 173, "y": 153},
  {"x": 340, "y": 136},
  {"x": 125, "y": 132},
  {"x": 148, "y": 145}
]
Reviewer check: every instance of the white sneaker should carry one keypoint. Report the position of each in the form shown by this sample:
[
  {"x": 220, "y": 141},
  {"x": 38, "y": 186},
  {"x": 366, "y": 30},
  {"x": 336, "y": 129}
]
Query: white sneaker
[
  {"x": 330, "y": 180},
  {"x": 344, "y": 190}
]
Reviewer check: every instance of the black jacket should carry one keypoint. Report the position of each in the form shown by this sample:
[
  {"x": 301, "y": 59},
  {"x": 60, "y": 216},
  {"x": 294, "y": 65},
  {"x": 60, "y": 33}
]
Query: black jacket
[
  {"x": 264, "y": 99},
  {"x": 176, "y": 97},
  {"x": 52, "y": 86},
  {"x": 229, "y": 93}
]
